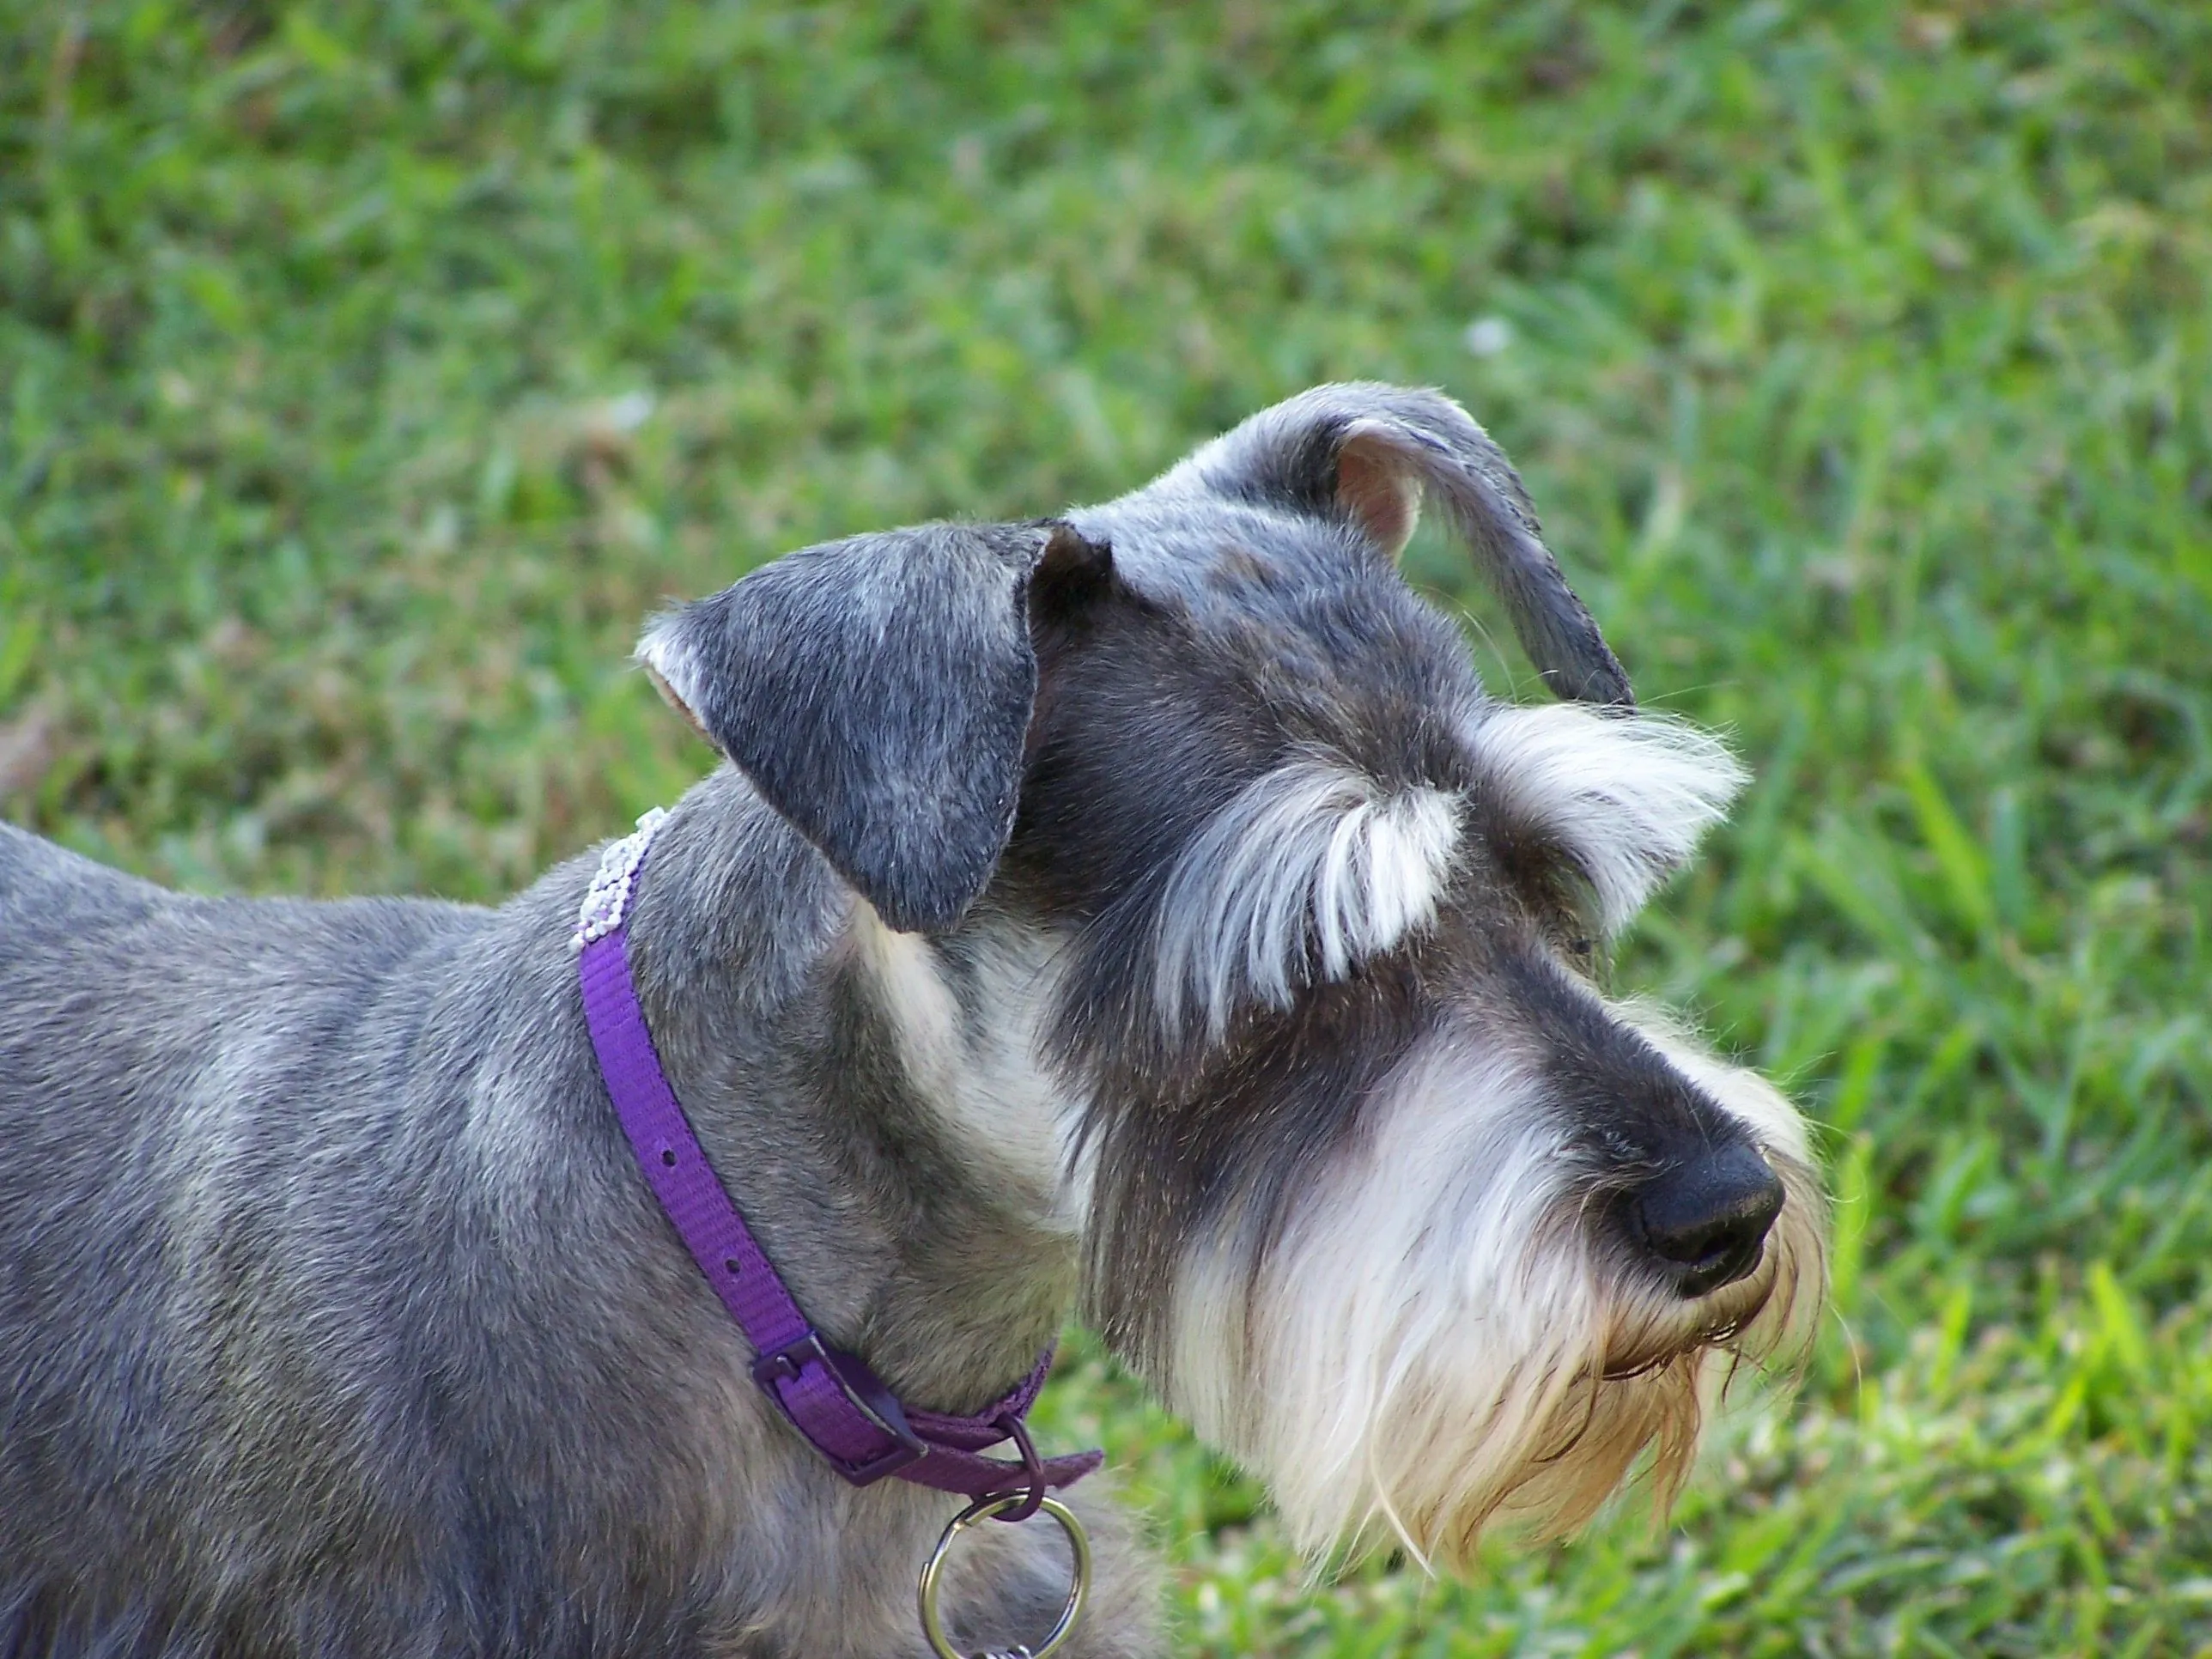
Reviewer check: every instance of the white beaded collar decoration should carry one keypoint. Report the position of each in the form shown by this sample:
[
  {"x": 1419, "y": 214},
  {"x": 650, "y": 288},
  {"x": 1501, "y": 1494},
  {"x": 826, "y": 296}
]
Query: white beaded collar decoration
[{"x": 609, "y": 896}]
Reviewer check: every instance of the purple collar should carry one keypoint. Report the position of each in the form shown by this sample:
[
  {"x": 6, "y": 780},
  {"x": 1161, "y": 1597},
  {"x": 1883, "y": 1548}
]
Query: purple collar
[{"x": 832, "y": 1398}]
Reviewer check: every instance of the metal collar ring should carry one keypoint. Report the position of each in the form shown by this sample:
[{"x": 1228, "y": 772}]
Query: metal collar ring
[{"x": 1078, "y": 1543}]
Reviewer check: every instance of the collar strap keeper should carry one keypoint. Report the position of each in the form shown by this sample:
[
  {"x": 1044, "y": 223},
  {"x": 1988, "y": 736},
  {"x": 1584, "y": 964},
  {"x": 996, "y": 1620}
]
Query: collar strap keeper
[{"x": 842, "y": 1408}]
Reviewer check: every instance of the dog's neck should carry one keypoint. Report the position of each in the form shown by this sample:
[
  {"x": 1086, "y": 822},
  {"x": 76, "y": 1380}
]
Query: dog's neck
[{"x": 870, "y": 1099}]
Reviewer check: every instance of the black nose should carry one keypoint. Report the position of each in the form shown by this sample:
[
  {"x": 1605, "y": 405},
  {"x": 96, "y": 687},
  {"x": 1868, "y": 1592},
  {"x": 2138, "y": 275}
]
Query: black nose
[{"x": 1704, "y": 1222}]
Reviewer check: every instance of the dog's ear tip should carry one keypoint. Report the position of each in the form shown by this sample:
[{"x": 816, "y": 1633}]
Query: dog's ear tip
[
  {"x": 1066, "y": 545},
  {"x": 1590, "y": 673},
  {"x": 666, "y": 661},
  {"x": 909, "y": 891},
  {"x": 659, "y": 642},
  {"x": 1070, "y": 568},
  {"x": 931, "y": 916},
  {"x": 671, "y": 696},
  {"x": 1606, "y": 691}
]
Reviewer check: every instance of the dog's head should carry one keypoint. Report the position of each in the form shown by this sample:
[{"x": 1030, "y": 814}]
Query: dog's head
[{"x": 1375, "y": 1183}]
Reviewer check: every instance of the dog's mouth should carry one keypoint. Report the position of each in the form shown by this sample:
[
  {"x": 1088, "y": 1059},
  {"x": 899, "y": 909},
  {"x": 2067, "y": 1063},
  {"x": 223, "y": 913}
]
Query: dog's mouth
[
  {"x": 1729, "y": 1329},
  {"x": 1744, "y": 1299}
]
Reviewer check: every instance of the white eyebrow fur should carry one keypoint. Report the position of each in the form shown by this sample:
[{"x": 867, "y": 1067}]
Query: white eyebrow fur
[
  {"x": 1311, "y": 856},
  {"x": 1629, "y": 795}
]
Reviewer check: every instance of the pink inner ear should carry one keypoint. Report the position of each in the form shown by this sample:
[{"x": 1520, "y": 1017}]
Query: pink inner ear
[
  {"x": 668, "y": 696},
  {"x": 1374, "y": 485}
]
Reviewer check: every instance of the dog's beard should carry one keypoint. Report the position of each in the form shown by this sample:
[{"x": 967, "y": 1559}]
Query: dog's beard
[{"x": 1444, "y": 1336}]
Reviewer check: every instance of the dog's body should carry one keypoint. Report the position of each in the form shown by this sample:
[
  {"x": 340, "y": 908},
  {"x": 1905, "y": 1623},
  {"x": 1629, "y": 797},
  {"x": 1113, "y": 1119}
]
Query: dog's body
[
  {"x": 1178, "y": 930},
  {"x": 240, "y": 1425}
]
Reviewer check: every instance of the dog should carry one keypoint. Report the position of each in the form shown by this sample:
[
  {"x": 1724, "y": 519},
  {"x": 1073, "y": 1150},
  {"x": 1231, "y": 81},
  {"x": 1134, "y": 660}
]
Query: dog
[{"x": 1144, "y": 912}]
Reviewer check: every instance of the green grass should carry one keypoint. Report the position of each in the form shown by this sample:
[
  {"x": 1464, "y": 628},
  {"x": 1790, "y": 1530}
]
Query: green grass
[{"x": 368, "y": 371}]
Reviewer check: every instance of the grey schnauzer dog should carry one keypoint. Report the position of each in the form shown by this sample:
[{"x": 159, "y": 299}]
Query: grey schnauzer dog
[{"x": 1146, "y": 913}]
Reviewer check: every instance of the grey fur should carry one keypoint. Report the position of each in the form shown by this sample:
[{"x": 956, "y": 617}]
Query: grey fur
[{"x": 334, "y": 1316}]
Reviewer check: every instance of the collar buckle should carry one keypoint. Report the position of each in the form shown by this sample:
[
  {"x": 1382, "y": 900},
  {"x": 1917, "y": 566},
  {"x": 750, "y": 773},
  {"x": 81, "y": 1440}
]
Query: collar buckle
[{"x": 863, "y": 1390}]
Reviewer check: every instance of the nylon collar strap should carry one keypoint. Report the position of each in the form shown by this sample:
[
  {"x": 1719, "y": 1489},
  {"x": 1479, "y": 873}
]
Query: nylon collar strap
[{"x": 844, "y": 1411}]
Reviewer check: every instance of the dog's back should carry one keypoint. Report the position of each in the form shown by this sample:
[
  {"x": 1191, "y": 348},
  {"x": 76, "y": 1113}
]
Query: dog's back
[
  {"x": 45, "y": 889},
  {"x": 174, "y": 1147},
  {"x": 109, "y": 987}
]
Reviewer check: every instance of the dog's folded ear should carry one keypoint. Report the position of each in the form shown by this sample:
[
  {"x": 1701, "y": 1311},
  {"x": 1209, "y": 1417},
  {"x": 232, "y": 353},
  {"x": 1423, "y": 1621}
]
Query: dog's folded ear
[
  {"x": 1364, "y": 452},
  {"x": 877, "y": 691}
]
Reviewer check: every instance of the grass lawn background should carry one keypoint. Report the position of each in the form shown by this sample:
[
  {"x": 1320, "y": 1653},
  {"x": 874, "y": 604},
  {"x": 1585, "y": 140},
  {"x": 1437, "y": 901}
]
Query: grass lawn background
[{"x": 369, "y": 371}]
